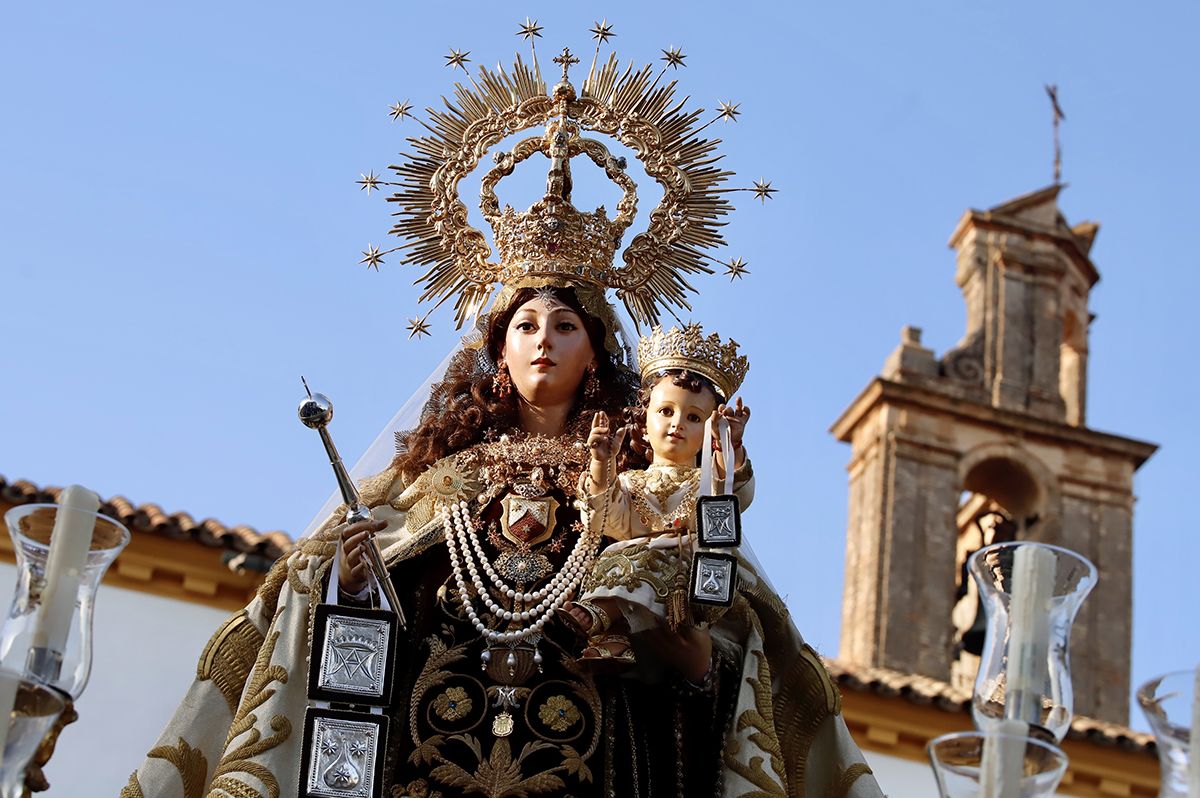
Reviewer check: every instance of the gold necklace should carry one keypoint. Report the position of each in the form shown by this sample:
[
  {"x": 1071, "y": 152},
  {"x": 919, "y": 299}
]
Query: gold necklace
[
  {"x": 667, "y": 481},
  {"x": 532, "y": 464},
  {"x": 663, "y": 479}
]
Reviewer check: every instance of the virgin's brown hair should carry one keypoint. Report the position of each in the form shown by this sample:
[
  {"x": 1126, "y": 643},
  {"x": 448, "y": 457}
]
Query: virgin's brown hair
[{"x": 464, "y": 406}]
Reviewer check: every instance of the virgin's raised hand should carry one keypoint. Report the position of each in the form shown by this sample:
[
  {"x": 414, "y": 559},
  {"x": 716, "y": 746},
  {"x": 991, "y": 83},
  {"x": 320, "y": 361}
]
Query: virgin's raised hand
[{"x": 352, "y": 569}]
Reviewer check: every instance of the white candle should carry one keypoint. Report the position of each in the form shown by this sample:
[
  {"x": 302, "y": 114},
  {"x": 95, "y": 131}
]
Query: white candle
[
  {"x": 9, "y": 684},
  {"x": 1003, "y": 764},
  {"x": 69, "y": 544},
  {"x": 1029, "y": 632},
  {"x": 1194, "y": 742}
]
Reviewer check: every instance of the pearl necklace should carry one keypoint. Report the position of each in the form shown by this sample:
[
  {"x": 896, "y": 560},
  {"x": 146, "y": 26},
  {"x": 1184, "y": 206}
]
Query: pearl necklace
[
  {"x": 578, "y": 553},
  {"x": 456, "y": 524}
]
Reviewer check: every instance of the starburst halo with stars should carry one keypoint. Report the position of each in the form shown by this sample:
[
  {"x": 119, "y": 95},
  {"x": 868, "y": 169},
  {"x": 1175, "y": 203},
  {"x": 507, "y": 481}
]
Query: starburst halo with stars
[
  {"x": 372, "y": 257},
  {"x": 425, "y": 218},
  {"x": 602, "y": 31},
  {"x": 763, "y": 190},
  {"x": 674, "y": 57},
  {"x": 736, "y": 269},
  {"x": 419, "y": 326},
  {"x": 530, "y": 29},
  {"x": 457, "y": 58},
  {"x": 369, "y": 182},
  {"x": 400, "y": 110}
]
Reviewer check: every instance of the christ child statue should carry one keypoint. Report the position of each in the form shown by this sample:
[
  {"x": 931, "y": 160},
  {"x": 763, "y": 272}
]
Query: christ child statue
[{"x": 639, "y": 582}]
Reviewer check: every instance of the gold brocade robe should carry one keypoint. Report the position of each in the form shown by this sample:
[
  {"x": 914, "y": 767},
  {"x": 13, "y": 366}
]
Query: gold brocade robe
[
  {"x": 643, "y": 566},
  {"x": 777, "y": 727}
]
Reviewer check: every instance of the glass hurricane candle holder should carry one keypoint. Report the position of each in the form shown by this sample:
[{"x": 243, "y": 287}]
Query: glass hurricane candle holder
[
  {"x": 1030, "y": 593},
  {"x": 1168, "y": 703},
  {"x": 961, "y": 767},
  {"x": 31, "y": 526},
  {"x": 32, "y": 713}
]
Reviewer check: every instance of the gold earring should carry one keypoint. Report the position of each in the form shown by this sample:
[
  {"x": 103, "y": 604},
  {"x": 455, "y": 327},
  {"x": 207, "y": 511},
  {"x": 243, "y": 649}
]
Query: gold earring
[
  {"x": 502, "y": 382},
  {"x": 591, "y": 388}
]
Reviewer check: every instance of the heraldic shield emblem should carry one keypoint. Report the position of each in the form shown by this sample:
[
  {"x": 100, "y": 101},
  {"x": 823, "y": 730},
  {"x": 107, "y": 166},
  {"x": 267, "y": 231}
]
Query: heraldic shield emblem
[{"x": 527, "y": 522}]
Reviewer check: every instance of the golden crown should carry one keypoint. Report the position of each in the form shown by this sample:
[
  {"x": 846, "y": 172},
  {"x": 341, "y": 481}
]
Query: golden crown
[
  {"x": 552, "y": 243},
  {"x": 688, "y": 349},
  {"x": 552, "y": 238}
]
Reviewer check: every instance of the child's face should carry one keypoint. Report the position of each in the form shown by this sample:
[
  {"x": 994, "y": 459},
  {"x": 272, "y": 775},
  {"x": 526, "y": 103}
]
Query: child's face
[{"x": 675, "y": 421}]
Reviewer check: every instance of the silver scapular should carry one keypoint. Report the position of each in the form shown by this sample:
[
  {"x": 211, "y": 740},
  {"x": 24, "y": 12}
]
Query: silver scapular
[{"x": 718, "y": 526}]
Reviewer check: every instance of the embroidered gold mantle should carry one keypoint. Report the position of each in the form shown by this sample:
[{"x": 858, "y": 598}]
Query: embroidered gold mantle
[{"x": 239, "y": 720}]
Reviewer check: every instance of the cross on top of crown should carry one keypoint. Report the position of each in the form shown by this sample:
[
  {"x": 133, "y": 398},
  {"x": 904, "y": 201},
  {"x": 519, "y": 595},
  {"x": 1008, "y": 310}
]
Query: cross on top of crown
[{"x": 565, "y": 60}]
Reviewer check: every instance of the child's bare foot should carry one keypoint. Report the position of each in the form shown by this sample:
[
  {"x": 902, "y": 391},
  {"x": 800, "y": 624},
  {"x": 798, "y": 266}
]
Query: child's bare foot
[
  {"x": 609, "y": 651},
  {"x": 585, "y": 617}
]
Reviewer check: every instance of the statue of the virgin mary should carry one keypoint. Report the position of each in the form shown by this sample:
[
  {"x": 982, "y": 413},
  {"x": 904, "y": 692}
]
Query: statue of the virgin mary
[{"x": 475, "y": 502}]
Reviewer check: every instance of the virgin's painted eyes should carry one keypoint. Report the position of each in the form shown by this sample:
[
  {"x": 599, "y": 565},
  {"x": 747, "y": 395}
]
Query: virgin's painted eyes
[
  {"x": 567, "y": 326},
  {"x": 524, "y": 326}
]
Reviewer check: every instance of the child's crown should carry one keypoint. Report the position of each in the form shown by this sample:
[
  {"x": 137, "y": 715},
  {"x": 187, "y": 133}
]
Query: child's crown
[{"x": 717, "y": 362}]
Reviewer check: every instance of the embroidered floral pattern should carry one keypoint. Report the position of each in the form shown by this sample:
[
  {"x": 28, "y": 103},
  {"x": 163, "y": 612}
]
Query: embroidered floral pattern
[
  {"x": 415, "y": 789},
  {"x": 453, "y": 704},
  {"x": 559, "y": 713},
  {"x": 238, "y": 760},
  {"x": 631, "y": 567}
]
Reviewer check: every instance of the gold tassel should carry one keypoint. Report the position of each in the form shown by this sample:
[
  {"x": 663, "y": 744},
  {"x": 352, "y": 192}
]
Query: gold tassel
[{"x": 678, "y": 606}]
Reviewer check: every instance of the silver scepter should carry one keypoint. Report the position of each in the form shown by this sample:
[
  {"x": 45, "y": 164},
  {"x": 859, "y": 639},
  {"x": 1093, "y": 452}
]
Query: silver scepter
[{"x": 316, "y": 411}]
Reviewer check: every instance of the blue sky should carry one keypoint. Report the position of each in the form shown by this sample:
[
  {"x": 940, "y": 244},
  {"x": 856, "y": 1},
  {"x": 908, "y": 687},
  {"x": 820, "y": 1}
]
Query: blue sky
[{"x": 180, "y": 231}]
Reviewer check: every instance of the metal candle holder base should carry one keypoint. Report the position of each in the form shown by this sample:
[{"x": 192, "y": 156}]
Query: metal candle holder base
[{"x": 35, "y": 777}]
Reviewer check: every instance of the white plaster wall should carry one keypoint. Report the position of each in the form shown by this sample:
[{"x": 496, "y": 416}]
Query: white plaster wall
[
  {"x": 902, "y": 778},
  {"x": 145, "y": 657}
]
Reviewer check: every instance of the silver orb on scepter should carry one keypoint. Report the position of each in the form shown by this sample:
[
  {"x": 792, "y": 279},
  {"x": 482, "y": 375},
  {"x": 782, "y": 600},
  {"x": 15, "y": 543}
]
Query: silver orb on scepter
[{"x": 315, "y": 412}]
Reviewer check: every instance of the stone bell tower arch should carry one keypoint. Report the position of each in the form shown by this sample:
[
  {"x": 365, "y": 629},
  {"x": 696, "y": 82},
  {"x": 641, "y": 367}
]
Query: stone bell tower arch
[{"x": 989, "y": 442}]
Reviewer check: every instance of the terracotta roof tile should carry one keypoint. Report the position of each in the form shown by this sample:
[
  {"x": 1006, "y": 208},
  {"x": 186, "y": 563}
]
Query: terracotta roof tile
[
  {"x": 923, "y": 690},
  {"x": 152, "y": 519}
]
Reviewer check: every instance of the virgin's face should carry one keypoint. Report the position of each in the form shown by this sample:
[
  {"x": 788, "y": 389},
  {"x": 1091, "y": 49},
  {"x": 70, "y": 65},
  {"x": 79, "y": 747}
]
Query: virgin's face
[
  {"x": 547, "y": 350},
  {"x": 675, "y": 420}
]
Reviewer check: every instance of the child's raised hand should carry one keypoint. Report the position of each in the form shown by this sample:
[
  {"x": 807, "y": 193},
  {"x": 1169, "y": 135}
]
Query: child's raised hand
[{"x": 737, "y": 416}]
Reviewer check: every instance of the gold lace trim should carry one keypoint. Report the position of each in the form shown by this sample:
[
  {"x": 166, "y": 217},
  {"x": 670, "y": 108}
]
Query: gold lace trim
[
  {"x": 627, "y": 570},
  {"x": 272, "y": 584},
  {"x": 663, "y": 483},
  {"x": 228, "y": 657},
  {"x": 662, "y": 480}
]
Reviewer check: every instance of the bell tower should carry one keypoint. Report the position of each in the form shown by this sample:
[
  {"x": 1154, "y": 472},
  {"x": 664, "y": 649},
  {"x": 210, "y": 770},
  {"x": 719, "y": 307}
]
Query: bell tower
[
  {"x": 1025, "y": 275},
  {"x": 989, "y": 443}
]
